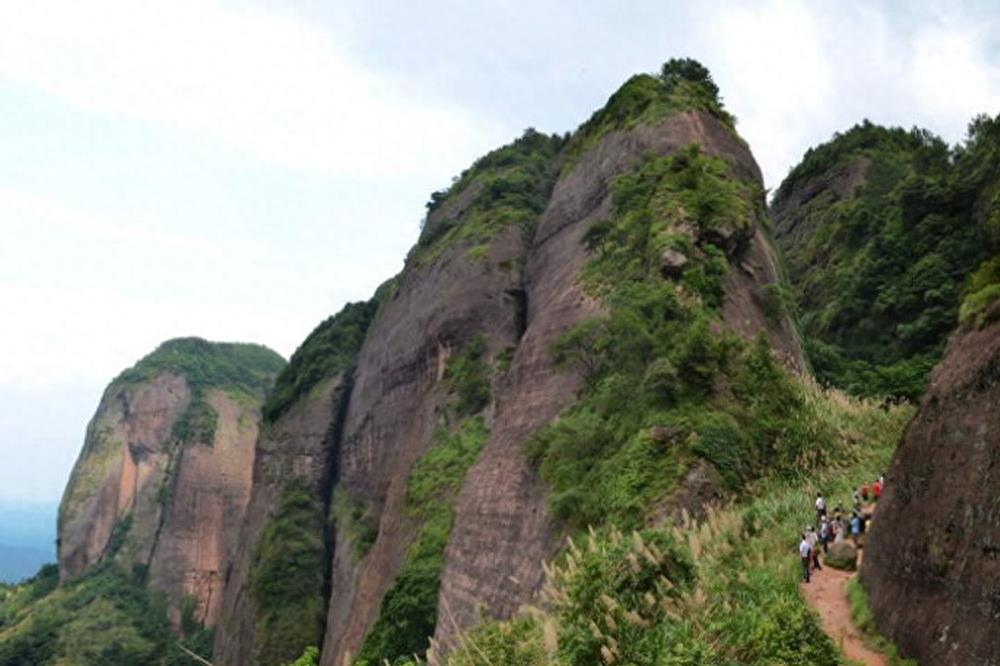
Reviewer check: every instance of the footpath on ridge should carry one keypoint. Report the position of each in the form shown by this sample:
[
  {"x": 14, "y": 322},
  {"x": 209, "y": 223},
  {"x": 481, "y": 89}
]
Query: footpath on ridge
[{"x": 827, "y": 593}]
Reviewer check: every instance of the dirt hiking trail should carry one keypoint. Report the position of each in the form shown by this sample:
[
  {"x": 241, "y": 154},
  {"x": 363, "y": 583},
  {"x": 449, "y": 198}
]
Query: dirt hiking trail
[{"x": 827, "y": 593}]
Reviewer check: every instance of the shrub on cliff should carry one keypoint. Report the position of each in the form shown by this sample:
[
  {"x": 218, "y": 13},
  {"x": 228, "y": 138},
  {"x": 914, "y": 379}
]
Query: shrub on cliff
[
  {"x": 287, "y": 576},
  {"x": 331, "y": 348}
]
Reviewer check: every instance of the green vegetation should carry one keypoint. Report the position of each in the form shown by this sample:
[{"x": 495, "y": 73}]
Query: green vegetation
[
  {"x": 330, "y": 349},
  {"x": 286, "y": 580},
  {"x": 682, "y": 85},
  {"x": 983, "y": 291},
  {"x": 233, "y": 367},
  {"x": 655, "y": 364},
  {"x": 721, "y": 592},
  {"x": 309, "y": 657},
  {"x": 879, "y": 276},
  {"x": 508, "y": 186},
  {"x": 664, "y": 388},
  {"x": 360, "y": 527},
  {"x": 105, "y": 618},
  {"x": 861, "y": 615},
  {"x": 408, "y": 613},
  {"x": 469, "y": 377}
]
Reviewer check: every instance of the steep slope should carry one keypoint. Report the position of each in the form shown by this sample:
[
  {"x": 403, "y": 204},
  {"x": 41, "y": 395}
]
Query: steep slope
[
  {"x": 165, "y": 471},
  {"x": 459, "y": 369},
  {"x": 423, "y": 388},
  {"x": 275, "y": 598},
  {"x": 503, "y": 529},
  {"x": 932, "y": 568},
  {"x": 879, "y": 230}
]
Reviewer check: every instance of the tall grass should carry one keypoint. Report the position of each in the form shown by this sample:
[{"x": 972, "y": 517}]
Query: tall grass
[{"x": 722, "y": 591}]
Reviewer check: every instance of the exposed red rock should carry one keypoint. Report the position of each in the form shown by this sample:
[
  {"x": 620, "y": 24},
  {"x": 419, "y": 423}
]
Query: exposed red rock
[
  {"x": 302, "y": 444},
  {"x": 932, "y": 565},
  {"x": 502, "y": 529},
  {"x": 166, "y": 510}
]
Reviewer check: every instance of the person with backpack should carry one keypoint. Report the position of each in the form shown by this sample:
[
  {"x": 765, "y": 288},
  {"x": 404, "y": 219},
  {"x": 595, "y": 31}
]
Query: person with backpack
[
  {"x": 804, "y": 555},
  {"x": 876, "y": 490},
  {"x": 856, "y": 528},
  {"x": 825, "y": 533},
  {"x": 856, "y": 498},
  {"x": 813, "y": 540}
]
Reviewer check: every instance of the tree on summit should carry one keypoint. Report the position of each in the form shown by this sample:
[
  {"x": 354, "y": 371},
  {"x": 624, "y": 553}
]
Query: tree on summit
[{"x": 688, "y": 69}]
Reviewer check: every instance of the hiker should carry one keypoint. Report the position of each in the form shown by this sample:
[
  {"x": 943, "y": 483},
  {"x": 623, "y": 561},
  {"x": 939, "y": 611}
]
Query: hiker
[
  {"x": 876, "y": 490},
  {"x": 864, "y": 491},
  {"x": 856, "y": 528},
  {"x": 804, "y": 558},
  {"x": 813, "y": 539},
  {"x": 881, "y": 479},
  {"x": 856, "y": 498},
  {"x": 825, "y": 533},
  {"x": 820, "y": 506}
]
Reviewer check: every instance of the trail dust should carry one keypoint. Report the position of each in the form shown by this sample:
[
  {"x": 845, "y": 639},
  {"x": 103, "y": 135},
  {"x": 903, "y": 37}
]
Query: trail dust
[{"x": 827, "y": 593}]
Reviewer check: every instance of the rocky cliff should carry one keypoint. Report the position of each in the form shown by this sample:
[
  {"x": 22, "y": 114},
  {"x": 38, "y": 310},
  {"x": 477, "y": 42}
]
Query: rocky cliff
[
  {"x": 278, "y": 584},
  {"x": 412, "y": 446},
  {"x": 932, "y": 566},
  {"x": 165, "y": 472}
]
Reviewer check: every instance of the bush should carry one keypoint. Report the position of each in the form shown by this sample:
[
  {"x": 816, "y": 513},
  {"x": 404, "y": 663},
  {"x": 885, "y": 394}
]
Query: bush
[
  {"x": 513, "y": 186},
  {"x": 330, "y": 349},
  {"x": 983, "y": 291},
  {"x": 103, "y": 617},
  {"x": 682, "y": 85},
  {"x": 468, "y": 375},
  {"x": 286, "y": 576},
  {"x": 408, "y": 613},
  {"x": 234, "y": 367}
]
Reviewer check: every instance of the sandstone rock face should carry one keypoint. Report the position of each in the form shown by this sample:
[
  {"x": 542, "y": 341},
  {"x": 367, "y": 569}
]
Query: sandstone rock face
[
  {"x": 502, "y": 528},
  {"x": 932, "y": 563},
  {"x": 302, "y": 444},
  {"x": 518, "y": 293},
  {"x": 166, "y": 510},
  {"x": 793, "y": 222},
  {"x": 120, "y": 472},
  {"x": 199, "y": 531},
  {"x": 436, "y": 309}
]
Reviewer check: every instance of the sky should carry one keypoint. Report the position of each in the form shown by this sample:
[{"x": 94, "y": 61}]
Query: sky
[{"x": 240, "y": 170}]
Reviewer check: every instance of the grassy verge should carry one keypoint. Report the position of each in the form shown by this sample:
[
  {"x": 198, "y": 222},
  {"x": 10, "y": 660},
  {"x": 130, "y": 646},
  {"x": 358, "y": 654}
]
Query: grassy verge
[
  {"x": 722, "y": 592},
  {"x": 861, "y": 615}
]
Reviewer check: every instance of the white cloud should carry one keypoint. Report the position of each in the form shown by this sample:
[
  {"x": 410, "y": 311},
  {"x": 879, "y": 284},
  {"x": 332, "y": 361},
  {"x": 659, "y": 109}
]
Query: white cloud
[
  {"x": 796, "y": 72},
  {"x": 274, "y": 87},
  {"x": 775, "y": 74},
  {"x": 952, "y": 73}
]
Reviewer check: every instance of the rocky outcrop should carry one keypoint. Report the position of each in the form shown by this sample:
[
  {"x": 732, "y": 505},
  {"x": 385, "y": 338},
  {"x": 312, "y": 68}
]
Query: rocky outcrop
[
  {"x": 502, "y": 529},
  {"x": 399, "y": 392},
  {"x": 301, "y": 444},
  {"x": 164, "y": 476},
  {"x": 932, "y": 563}
]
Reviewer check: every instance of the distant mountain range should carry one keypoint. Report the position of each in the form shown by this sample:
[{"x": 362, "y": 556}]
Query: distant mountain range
[{"x": 27, "y": 539}]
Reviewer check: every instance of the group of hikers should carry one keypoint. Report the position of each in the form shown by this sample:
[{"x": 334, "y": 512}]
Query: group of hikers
[{"x": 838, "y": 526}]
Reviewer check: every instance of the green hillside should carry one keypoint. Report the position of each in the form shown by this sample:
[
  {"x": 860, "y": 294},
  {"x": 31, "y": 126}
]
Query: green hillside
[{"x": 880, "y": 270}]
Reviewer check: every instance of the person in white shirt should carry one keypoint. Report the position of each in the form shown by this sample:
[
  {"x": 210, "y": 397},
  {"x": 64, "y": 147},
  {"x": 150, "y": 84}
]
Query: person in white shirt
[
  {"x": 813, "y": 540},
  {"x": 820, "y": 506},
  {"x": 804, "y": 552}
]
